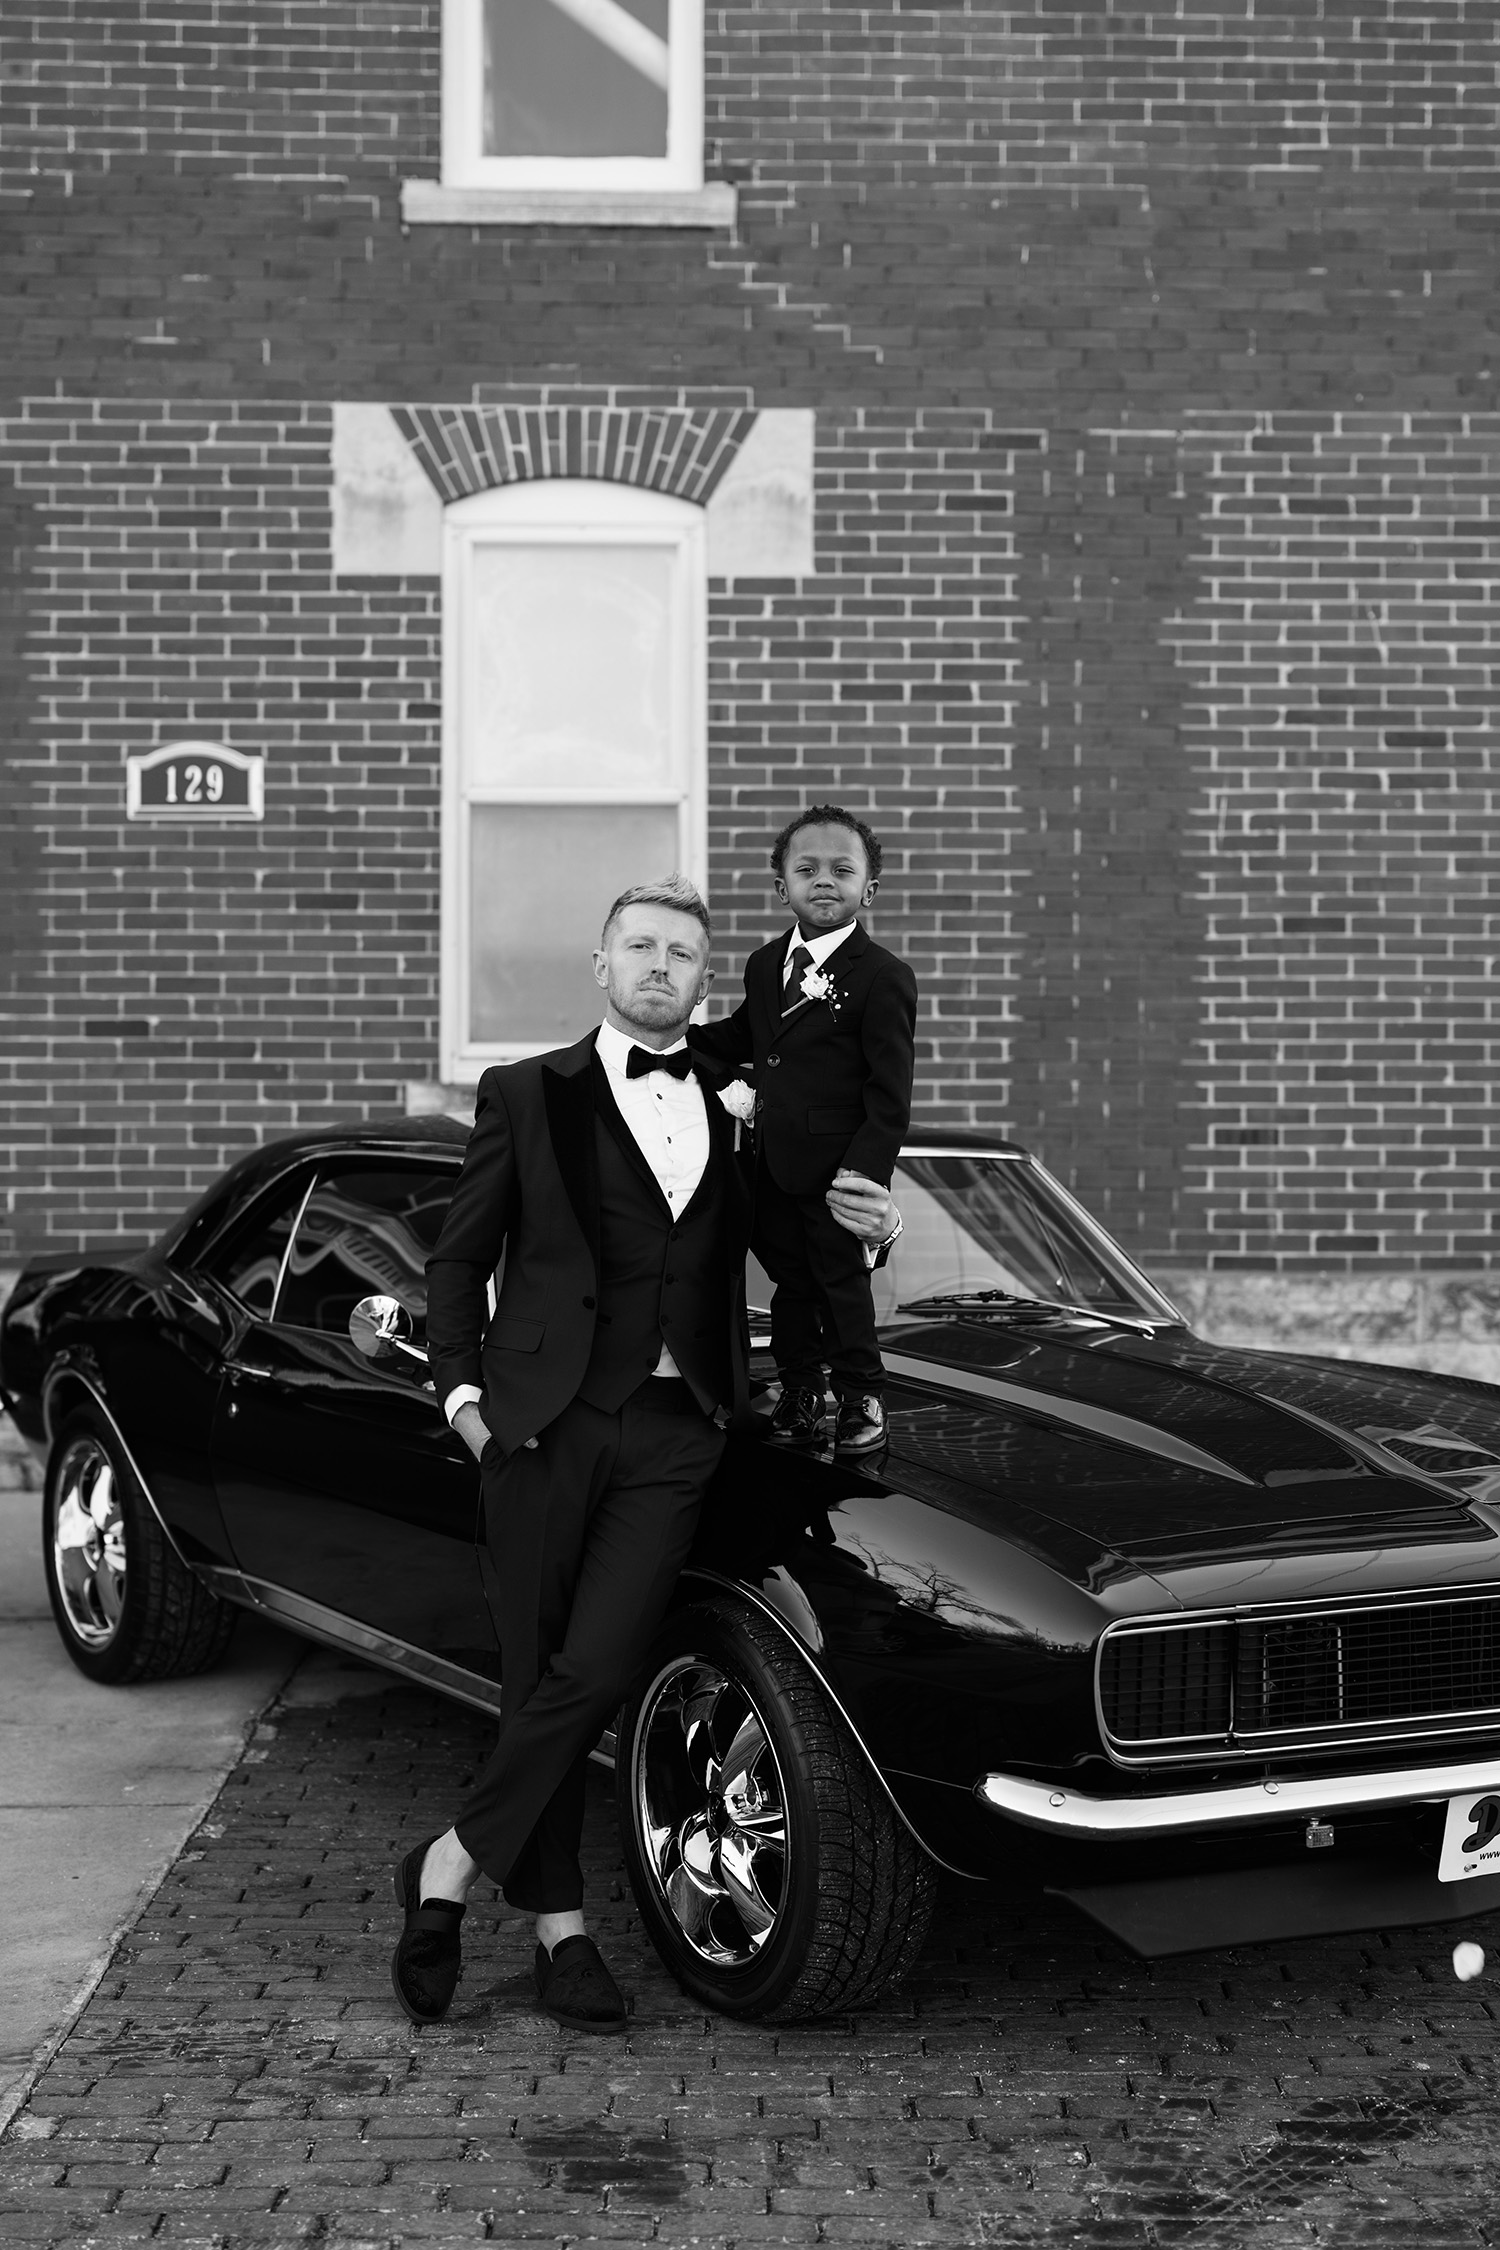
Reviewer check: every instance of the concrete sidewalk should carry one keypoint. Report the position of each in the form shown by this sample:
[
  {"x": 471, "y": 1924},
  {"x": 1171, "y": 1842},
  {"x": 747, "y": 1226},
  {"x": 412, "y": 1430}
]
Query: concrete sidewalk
[{"x": 98, "y": 1786}]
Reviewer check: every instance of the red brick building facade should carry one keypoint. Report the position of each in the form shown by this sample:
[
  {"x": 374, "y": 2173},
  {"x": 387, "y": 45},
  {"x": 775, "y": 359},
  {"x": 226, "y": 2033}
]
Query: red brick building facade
[{"x": 1137, "y": 579}]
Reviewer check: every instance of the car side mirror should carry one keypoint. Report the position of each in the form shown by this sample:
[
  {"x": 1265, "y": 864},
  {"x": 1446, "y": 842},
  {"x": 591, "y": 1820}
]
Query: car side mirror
[{"x": 380, "y": 1328}]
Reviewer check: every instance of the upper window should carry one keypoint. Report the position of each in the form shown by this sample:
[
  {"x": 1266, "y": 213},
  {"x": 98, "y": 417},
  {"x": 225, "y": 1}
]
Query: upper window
[
  {"x": 574, "y": 701},
  {"x": 601, "y": 94}
]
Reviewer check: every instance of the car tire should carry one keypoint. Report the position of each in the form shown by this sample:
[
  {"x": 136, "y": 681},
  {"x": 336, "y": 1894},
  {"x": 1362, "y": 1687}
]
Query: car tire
[
  {"x": 126, "y": 1605},
  {"x": 771, "y": 1870}
]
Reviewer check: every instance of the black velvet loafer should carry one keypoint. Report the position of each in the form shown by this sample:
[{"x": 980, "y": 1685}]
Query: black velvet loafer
[
  {"x": 861, "y": 1425},
  {"x": 798, "y": 1419},
  {"x": 428, "y": 1957},
  {"x": 574, "y": 1987}
]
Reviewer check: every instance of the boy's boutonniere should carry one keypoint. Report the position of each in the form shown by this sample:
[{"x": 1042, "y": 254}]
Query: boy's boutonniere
[
  {"x": 739, "y": 1100},
  {"x": 817, "y": 984}
]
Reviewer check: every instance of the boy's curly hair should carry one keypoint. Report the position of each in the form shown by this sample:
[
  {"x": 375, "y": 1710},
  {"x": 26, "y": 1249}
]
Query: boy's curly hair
[{"x": 830, "y": 816}]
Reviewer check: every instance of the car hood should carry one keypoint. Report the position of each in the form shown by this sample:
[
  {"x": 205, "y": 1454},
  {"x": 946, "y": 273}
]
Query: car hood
[{"x": 1238, "y": 1453}]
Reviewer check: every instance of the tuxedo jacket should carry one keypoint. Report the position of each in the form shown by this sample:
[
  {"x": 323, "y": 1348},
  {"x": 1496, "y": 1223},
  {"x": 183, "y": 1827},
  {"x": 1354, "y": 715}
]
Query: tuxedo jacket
[
  {"x": 529, "y": 1189},
  {"x": 833, "y": 1077}
]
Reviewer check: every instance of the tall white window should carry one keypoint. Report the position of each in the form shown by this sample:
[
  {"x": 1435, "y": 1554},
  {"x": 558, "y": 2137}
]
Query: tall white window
[
  {"x": 573, "y": 94},
  {"x": 574, "y": 709}
]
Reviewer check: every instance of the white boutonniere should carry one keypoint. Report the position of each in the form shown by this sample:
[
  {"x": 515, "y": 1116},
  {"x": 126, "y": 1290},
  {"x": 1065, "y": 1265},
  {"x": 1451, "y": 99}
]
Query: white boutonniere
[
  {"x": 739, "y": 1100},
  {"x": 817, "y": 984}
]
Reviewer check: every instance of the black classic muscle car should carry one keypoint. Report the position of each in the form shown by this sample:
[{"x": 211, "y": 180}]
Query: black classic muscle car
[{"x": 1206, "y": 1640}]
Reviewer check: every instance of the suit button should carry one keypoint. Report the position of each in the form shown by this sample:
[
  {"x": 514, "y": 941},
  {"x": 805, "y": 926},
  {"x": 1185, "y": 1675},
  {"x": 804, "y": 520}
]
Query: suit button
[
  {"x": 588, "y": 1304},
  {"x": 671, "y": 1277},
  {"x": 773, "y": 1060}
]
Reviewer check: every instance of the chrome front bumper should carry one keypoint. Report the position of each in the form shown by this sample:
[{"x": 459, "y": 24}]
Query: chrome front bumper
[{"x": 1067, "y": 1813}]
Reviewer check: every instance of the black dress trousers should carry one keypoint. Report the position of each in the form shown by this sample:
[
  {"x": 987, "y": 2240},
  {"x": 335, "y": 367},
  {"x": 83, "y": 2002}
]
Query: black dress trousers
[
  {"x": 611, "y": 1500},
  {"x": 823, "y": 1308}
]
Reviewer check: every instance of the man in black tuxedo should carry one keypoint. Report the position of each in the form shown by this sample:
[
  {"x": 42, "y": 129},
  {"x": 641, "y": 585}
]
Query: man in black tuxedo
[
  {"x": 595, "y": 1398},
  {"x": 828, "y": 1023}
]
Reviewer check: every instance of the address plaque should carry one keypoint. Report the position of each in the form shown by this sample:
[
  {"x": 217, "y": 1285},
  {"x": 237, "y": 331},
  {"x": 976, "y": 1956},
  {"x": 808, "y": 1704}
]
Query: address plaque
[{"x": 195, "y": 781}]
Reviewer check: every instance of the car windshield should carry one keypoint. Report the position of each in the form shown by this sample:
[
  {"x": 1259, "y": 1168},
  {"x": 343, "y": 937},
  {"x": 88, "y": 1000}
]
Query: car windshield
[{"x": 974, "y": 1223}]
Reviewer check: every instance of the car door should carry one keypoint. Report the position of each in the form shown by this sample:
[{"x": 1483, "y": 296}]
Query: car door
[{"x": 340, "y": 1483}]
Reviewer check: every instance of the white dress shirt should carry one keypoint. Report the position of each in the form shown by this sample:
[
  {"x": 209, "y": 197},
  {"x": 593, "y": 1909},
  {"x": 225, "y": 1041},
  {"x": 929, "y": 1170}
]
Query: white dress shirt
[
  {"x": 818, "y": 947},
  {"x": 669, "y": 1123}
]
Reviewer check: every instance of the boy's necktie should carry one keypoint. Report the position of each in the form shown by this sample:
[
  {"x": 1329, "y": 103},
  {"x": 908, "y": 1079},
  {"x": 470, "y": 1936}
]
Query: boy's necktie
[{"x": 796, "y": 969}]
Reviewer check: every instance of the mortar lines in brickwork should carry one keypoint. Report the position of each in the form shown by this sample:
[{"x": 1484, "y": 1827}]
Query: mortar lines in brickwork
[
  {"x": 1032, "y": 97},
  {"x": 683, "y": 451},
  {"x": 1342, "y": 726},
  {"x": 234, "y": 985},
  {"x": 888, "y": 682}
]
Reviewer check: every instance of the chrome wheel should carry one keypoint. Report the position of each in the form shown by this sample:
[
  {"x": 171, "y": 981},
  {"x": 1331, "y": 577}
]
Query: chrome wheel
[
  {"x": 712, "y": 1811},
  {"x": 88, "y": 1543}
]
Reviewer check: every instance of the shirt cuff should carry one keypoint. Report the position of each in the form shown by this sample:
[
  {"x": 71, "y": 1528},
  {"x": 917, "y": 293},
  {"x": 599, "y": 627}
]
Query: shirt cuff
[
  {"x": 872, "y": 1250},
  {"x": 462, "y": 1394}
]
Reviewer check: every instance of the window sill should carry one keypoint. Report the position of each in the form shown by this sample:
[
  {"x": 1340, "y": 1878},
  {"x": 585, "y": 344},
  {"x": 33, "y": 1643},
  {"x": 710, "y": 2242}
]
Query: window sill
[{"x": 427, "y": 203}]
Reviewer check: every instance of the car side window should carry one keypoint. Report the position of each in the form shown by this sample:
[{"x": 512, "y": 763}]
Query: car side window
[
  {"x": 250, "y": 1264},
  {"x": 367, "y": 1231}
]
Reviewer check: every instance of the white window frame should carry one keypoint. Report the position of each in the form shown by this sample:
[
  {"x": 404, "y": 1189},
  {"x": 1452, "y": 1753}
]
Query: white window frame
[
  {"x": 561, "y": 511},
  {"x": 466, "y": 166}
]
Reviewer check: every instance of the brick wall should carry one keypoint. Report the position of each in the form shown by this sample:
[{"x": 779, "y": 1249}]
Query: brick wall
[
  {"x": 177, "y": 993},
  {"x": 1152, "y": 356},
  {"x": 889, "y": 681},
  {"x": 1343, "y": 723}
]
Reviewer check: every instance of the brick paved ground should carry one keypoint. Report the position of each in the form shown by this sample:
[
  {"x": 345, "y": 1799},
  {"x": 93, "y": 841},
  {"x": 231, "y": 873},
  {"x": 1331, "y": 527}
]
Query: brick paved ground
[{"x": 243, "y": 2077}]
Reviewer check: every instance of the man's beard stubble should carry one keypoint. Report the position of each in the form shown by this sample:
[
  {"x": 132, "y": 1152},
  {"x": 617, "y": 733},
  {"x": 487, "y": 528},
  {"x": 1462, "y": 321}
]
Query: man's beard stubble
[{"x": 628, "y": 1008}]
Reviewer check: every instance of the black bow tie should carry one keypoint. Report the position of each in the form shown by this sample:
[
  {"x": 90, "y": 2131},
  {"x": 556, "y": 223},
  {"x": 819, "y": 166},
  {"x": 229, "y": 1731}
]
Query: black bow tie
[{"x": 641, "y": 1060}]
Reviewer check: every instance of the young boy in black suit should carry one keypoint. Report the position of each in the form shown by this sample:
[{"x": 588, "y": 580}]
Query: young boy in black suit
[{"x": 829, "y": 1023}]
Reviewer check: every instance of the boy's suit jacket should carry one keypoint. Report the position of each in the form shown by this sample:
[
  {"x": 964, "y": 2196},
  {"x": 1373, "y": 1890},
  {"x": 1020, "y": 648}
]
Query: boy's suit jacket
[
  {"x": 530, "y": 1188},
  {"x": 834, "y": 1080}
]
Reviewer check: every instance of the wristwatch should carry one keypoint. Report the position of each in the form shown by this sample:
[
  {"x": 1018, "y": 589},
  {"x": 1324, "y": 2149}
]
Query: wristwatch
[{"x": 886, "y": 1240}]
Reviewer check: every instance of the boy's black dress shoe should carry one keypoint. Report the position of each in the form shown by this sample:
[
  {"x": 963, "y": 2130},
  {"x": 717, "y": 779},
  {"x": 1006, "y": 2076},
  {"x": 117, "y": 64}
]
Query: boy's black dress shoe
[
  {"x": 428, "y": 1956},
  {"x": 575, "y": 1988},
  {"x": 798, "y": 1419},
  {"x": 862, "y": 1424}
]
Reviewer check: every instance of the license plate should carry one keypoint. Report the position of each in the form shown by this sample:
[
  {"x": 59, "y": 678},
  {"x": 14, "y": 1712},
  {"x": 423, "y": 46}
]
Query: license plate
[{"x": 1471, "y": 1837}]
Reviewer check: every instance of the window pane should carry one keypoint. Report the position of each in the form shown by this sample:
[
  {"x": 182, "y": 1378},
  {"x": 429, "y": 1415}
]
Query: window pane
[
  {"x": 542, "y": 879},
  {"x": 575, "y": 78},
  {"x": 573, "y": 686},
  {"x": 251, "y": 1263},
  {"x": 364, "y": 1234}
]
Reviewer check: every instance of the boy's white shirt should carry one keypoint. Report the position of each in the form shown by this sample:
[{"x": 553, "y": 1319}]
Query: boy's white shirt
[{"x": 818, "y": 947}]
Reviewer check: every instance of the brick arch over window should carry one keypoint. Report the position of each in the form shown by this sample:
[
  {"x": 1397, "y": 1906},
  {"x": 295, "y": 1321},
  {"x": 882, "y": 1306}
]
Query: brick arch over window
[{"x": 683, "y": 451}]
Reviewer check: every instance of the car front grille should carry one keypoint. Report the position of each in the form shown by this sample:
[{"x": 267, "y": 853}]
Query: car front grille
[
  {"x": 1168, "y": 1685},
  {"x": 1250, "y": 1682}
]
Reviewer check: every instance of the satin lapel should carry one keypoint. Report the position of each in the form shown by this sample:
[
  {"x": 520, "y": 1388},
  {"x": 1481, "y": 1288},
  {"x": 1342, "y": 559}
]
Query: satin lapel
[
  {"x": 569, "y": 1099},
  {"x": 630, "y": 1148},
  {"x": 736, "y": 1186}
]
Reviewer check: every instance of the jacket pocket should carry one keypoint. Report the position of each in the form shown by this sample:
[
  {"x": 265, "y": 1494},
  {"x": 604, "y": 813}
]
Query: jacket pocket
[
  {"x": 842, "y": 1121},
  {"x": 514, "y": 1335}
]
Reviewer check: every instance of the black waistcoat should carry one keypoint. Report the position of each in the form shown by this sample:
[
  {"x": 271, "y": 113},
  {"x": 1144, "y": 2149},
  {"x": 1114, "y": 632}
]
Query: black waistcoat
[{"x": 659, "y": 1282}]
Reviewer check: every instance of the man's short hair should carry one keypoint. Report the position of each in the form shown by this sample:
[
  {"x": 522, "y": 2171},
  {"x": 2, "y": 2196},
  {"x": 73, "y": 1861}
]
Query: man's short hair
[
  {"x": 828, "y": 816},
  {"x": 673, "y": 890}
]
